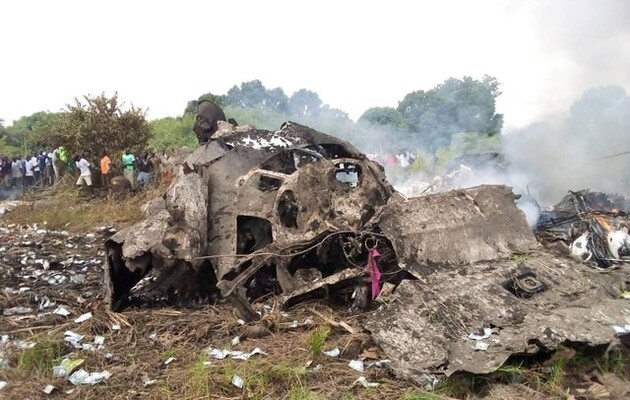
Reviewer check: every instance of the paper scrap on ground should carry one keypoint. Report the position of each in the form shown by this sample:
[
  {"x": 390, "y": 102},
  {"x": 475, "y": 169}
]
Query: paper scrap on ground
[
  {"x": 66, "y": 367},
  {"x": 333, "y": 353},
  {"x": 48, "y": 389},
  {"x": 83, "y": 317},
  {"x": 365, "y": 383},
  {"x": 486, "y": 334},
  {"x": 220, "y": 354},
  {"x": 238, "y": 381},
  {"x": 481, "y": 346},
  {"x": 356, "y": 365},
  {"x": 82, "y": 377}
]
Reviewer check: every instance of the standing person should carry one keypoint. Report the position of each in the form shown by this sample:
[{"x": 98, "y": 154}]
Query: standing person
[
  {"x": 85, "y": 175},
  {"x": 50, "y": 175},
  {"x": 106, "y": 163},
  {"x": 36, "y": 171},
  {"x": 16, "y": 172},
  {"x": 6, "y": 171},
  {"x": 129, "y": 161},
  {"x": 144, "y": 168},
  {"x": 41, "y": 163},
  {"x": 29, "y": 175},
  {"x": 56, "y": 164}
]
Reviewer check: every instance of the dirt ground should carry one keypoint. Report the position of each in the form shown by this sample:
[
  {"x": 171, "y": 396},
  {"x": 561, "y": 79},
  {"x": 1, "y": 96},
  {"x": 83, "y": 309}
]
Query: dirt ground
[{"x": 155, "y": 350}]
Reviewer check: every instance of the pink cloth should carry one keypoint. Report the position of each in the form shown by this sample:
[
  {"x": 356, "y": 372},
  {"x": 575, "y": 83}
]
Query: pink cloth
[{"x": 375, "y": 273}]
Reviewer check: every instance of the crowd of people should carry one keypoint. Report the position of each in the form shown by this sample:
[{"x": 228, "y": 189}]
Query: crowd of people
[{"x": 44, "y": 168}]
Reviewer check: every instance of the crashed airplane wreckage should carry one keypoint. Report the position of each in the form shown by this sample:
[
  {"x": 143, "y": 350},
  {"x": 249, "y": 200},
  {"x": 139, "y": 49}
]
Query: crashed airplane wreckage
[{"x": 300, "y": 214}]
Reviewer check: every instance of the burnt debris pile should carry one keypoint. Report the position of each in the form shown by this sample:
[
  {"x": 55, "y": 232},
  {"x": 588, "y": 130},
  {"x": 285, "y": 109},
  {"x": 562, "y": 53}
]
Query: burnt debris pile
[{"x": 452, "y": 281}]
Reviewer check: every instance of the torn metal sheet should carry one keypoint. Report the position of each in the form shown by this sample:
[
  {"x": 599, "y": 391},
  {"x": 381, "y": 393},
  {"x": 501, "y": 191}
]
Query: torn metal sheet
[
  {"x": 435, "y": 316},
  {"x": 482, "y": 275},
  {"x": 457, "y": 227}
]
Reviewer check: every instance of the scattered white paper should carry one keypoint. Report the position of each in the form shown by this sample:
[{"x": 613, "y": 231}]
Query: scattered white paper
[
  {"x": 61, "y": 310},
  {"x": 83, "y": 317},
  {"x": 481, "y": 346},
  {"x": 364, "y": 382},
  {"x": 221, "y": 354},
  {"x": 378, "y": 363},
  {"x": 73, "y": 338},
  {"x": 99, "y": 340},
  {"x": 82, "y": 377},
  {"x": 149, "y": 382},
  {"x": 3, "y": 384},
  {"x": 48, "y": 389},
  {"x": 115, "y": 327},
  {"x": 238, "y": 381},
  {"x": 486, "y": 334},
  {"x": 356, "y": 365},
  {"x": 169, "y": 360},
  {"x": 66, "y": 367},
  {"x": 333, "y": 353},
  {"x": 236, "y": 340}
]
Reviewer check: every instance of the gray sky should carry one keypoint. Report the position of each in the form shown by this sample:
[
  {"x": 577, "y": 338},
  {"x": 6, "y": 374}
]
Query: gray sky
[{"x": 355, "y": 55}]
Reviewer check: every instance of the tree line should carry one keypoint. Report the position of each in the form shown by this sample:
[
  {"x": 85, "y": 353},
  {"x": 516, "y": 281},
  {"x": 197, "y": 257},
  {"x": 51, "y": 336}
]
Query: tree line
[{"x": 456, "y": 113}]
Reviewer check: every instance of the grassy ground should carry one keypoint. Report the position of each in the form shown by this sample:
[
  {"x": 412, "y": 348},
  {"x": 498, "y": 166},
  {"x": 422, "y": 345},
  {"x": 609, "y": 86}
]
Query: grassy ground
[{"x": 66, "y": 207}]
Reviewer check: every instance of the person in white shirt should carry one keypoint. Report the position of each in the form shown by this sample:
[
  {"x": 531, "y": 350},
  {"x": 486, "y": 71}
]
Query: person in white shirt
[
  {"x": 29, "y": 166},
  {"x": 85, "y": 176}
]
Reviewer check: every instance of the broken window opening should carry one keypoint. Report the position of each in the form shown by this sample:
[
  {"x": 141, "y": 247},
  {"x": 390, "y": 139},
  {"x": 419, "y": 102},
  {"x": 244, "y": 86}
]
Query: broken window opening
[
  {"x": 336, "y": 151},
  {"x": 252, "y": 233},
  {"x": 263, "y": 283},
  {"x": 269, "y": 183},
  {"x": 282, "y": 162},
  {"x": 287, "y": 162},
  {"x": 288, "y": 209},
  {"x": 349, "y": 174}
]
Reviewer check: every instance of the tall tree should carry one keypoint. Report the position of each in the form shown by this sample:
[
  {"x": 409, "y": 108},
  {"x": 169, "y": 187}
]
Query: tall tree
[
  {"x": 304, "y": 102},
  {"x": 96, "y": 123},
  {"x": 28, "y": 133},
  {"x": 254, "y": 94},
  {"x": 456, "y": 105},
  {"x": 383, "y": 116}
]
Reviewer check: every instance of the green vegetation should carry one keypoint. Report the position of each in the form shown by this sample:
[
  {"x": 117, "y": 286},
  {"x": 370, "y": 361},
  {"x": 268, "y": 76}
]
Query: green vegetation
[
  {"x": 317, "y": 339},
  {"x": 454, "y": 118},
  {"x": 302, "y": 393},
  {"x": 40, "y": 358},
  {"x": 418, "y": 395},
  {"x": 198, "y": 384}
]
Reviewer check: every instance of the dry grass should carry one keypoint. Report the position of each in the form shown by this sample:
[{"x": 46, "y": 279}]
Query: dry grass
[
  {"x": 148, "y": 337},
  {"x": 65, "y": 207}
]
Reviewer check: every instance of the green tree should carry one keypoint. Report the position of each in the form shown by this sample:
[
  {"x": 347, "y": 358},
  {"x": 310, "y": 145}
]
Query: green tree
[
  {"x": 383, "y": 116},
  {"x": 304, "y": 102},
  {"x": 254, "y": 94},
  {"x": 88, "y": 127},
  {"x": 172, "y": 133},
  {"x": 456, "y": 105},
  {"x": 29, "y": 132}
]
